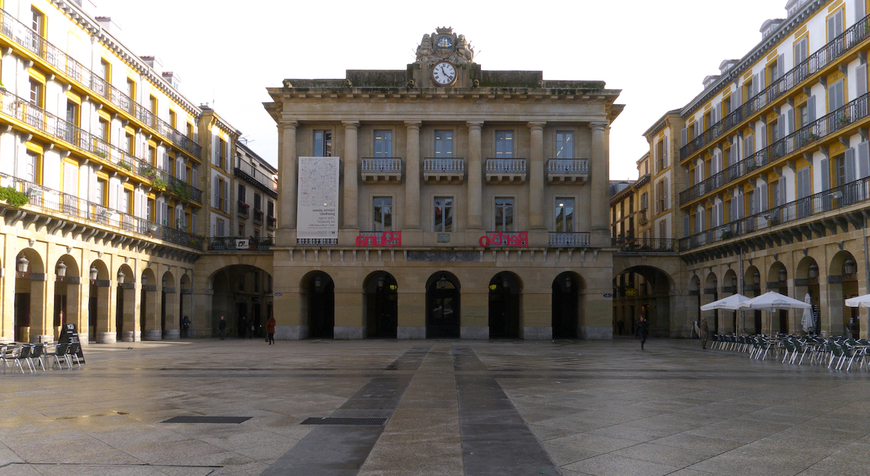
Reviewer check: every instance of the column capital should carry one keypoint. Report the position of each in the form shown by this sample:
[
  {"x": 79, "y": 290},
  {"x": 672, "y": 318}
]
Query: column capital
[
  {"x": 474, "y": 125},
  {"x": 598, "y": 126},
  {"x": 350, "y": 124},
  {"x": 537, "y": 125},
  {"x": 414, "y": 124},
  {"x": 289, "y": 125}
]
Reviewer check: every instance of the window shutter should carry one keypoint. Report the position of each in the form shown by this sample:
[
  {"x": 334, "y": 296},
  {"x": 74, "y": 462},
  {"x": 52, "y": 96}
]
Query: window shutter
[
  {"x": 684, "y": 137},
  {"x": 217, "y": 193},
  {"x": 721, "y": 214},
  {"x": 740, "y": 206},
  {"x": 832, "y": 28},
  {"x": 790, "y": 121},
  {"x": 665, "y": 152},
  {"x": 861, "y": 77},
  {"x": 863, "y": 159},
  {"x": 765, "y": 199},
  {"x": 193, "y": 223},
  {"x": 764, "y": 136},
  {"x": 780, "y": 67},
  {"x": 732, "y": 209},
  {"x": 762, "y": 84},
  {"x": 748, "y": 145},
  {"x": 803, "y": 182},
  {"x": 718, "y": 113},
  {"x": 850, "y": 165},
  {"x": 193, "y": 177},
  {"x": 825, "y": 172},
  {"x": 756, "y": 82},
  {"x": 686, "y": 226},
  {"x": 811, "y": 108},
  {"x": 780, "y": 127},
  {"x": 860, "y": 9},
  {"x": 226, "y": 197},
  {"x": 666, "y": 205}
]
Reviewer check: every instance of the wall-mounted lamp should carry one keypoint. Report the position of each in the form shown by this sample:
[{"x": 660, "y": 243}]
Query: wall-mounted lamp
[
  {"x": 783, "y": 275},
  {"x": 756, "y": 278},
  {"x": 317, "y": 283},
  {"x": 23, "y": 264},
  {"x": 121, "y": 277},
  {"x": 60, "y": 270},
  {"x": 94, "y": 272},
  {"x": 813, "y": 272},
  {"x": 848, "y": 267},
  {"x": 144, "y": 280},
  {"x": 443, "y": 282},
  {"x": 734, "y": 281}
]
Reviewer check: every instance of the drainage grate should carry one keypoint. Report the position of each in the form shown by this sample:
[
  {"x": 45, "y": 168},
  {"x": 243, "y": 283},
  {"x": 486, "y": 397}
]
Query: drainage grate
[
  {"x": 343, "y": 421},
  {"x": 207, "y": 419}
]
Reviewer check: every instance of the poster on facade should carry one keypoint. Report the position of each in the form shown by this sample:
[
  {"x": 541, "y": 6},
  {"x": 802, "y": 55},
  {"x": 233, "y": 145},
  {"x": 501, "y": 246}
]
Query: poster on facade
[{"x": 317, "y": 201}]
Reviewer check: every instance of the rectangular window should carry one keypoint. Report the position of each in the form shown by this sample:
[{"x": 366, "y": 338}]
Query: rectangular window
[
  {"x": 219, "y": 227},
  {"x": 835, "y": 25},
  {"x": 836, "y": 96},
  {"x": 152, "y": 103},
  {"x": 322, "y": 144},
  {"x": 258, "y": 201},
  {"x": 149, "y": 211},
  {"x": 106, "y": 70},
  {"x": 36, "y": 97},
  {"x": 127, "y": 201},
  {"x": 220, "y": 159},
  {"x": 383, "y": 144},
  {"x": 242, "y": 194},
  {"x": 29, "y": 170},
  {"x": 270, "y": 209},
  {"x": 383, "y": 214},
  {"x": 840, "y": 163},
  {"x": 241, "y": 229},
  {"x": 130, "y": 145},
  {"x": 102, "y": 192},
  {"x": 131, "y": 89},
  {"x": 443, "y": 144},
  {"x": 564, "y": 145},
  {"x": 504, "y": 214},
  {"x": 504, "y": 145},
  {"x": 173, "y": 119},
  {"x": 564, "y": 215},
  {"x": 443, "y": 214},
  {"x": 105, "y": 131},
  {"x": 37, "y": 21}
]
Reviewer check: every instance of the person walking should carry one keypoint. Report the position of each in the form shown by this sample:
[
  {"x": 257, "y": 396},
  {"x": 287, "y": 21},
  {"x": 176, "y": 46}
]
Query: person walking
[
  {"x": 270, "y": 329},
  {"x": 185, "y": 325},
  {"x": 705, "y": 331},
  {"x": 642, "y": 329},
  {"x": 222, "y": 327}
]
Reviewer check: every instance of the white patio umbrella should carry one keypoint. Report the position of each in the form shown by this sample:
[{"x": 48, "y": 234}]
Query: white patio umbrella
[
  {"x": 731, "y": 302},
  {"x": 859, "y": 301},
  {"x": 774, "y": 301},
  {"x": 807, "y": 318}
]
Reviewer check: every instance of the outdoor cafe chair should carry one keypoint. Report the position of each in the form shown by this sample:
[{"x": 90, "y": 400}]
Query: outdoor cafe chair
[
  {"x": 73, "y": 353},
  {"x": 37, "y": 351},
  {"x": 789, "y": 349},
  {"x": 20, "y": 353},
  {"x": 61, "y": 356},
  {"x": 715, "y": 339}
]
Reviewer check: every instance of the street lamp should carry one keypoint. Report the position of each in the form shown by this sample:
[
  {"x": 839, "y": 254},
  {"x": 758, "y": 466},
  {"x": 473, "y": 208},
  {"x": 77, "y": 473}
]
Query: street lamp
[{"x": 23, "y": 264}]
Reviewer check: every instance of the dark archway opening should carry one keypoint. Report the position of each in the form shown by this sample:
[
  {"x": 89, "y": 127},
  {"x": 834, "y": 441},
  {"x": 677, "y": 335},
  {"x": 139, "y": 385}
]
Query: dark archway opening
[
  {"x": 442, "y": 306},
  {"x": 504, "y": 307},
  {"x": 321, "y": 307},
  {"x": 564, "y": 303},
  {"x": 382, "y": 306}
]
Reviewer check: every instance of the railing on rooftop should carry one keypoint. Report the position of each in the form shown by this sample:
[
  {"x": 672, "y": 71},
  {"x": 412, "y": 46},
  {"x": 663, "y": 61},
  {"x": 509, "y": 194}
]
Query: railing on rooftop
[
  {"x": 839, "y": 46},
  {"x": 569, "y": 239},
  {"x": 52, "y": 201},
  {"x": 19, "y": 33},
  {"x": 819, "y": 129},
  {"x": 830, "y": 200}
]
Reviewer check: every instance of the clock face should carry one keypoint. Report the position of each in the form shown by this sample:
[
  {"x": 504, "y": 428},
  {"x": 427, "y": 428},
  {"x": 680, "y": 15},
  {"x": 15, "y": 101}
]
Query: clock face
[{"x": 444, "y": 73}]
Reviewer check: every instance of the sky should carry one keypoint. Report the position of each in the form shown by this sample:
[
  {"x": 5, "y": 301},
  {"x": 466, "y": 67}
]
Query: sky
[{"x": 657, "y": 53}]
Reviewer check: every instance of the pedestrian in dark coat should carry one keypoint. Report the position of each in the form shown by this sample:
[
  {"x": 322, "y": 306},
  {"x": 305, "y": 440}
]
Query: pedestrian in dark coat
[
  {"x": 222, "y": 327},
  {"x": 270, "y": 330},
  {"x": 642, "y": 329}
]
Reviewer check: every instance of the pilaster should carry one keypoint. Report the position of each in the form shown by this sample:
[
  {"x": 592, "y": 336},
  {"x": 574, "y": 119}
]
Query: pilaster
[
  {"x": 475, "y": 177},
  {"x": 536, "y": 176}
]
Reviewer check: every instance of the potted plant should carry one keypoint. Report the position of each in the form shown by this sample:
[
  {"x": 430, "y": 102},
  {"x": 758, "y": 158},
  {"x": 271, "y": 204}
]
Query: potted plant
[
  {"x": 265, "y": 244},
  {"x": 13, "y": 197}
]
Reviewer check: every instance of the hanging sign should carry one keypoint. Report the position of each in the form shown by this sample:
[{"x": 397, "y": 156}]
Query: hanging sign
[{"x": 317, "y": 200}]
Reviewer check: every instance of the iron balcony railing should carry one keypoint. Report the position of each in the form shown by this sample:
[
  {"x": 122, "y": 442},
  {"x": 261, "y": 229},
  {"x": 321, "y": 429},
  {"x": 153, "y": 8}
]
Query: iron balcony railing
[
  {"x": 833, "y": 199},
  {"x": 36, "y": 117},
  {"x": 258, "y": 216},
  {"x": 386, "y": 165},
  {"x": 271, "y": 222},
  {"x": 568, "y": 166},
  {"x": 48, "y": 200},
  {"x": 506, "y": 166},
  {"x": 839, "y": 119},
  {"x": 248, "y": 170},
  {"x": 316, "y": 241},
  {"x": 452, "y": 165},
  {"x": 19, "y": 33},
  {"x": 839, "y": 46},
  {"x": 242, "y": 208},
  {"x": 645, "y": 245},
  {"x": 239, "y": 243},
  {"x": 569, "y": 239}
]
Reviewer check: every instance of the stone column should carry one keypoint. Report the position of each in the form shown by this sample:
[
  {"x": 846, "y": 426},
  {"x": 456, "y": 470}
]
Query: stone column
[
  {"x": 412, "y": 175},
  {"x": 287, "y": 202},
  {"x": 536, "y": 176},
  {"x": 475, "y": 177},
  {"x": 598, "y": 170},
  {"x": 351, "y": 176}
]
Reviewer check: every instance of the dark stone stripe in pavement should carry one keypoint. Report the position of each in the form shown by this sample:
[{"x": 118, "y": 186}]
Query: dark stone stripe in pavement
[
  {"x": 495, "y": 439},
  {"x": 341, "y": 450}
]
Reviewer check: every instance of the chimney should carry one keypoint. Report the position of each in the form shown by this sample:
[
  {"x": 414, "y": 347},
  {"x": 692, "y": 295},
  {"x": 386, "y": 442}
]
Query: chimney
[
  {"x": 172, "y": 78},
  {"x": 154, "y": 63},
  {"x": 108, "y": 25}
]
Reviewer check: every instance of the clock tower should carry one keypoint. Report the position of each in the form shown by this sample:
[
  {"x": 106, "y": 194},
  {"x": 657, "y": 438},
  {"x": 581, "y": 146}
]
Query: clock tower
[{"x": 444, "y": 60}]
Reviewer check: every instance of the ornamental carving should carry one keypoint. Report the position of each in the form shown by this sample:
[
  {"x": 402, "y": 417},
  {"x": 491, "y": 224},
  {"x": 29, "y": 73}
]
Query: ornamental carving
[{"x": 444, "y": 44}]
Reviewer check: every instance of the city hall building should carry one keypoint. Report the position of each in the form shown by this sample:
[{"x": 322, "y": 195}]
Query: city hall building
[{"x": 443, "y": 200}]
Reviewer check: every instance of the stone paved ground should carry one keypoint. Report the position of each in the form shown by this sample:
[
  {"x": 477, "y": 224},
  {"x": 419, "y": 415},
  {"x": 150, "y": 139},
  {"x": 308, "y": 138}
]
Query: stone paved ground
[{"x": 450, "y": 408}]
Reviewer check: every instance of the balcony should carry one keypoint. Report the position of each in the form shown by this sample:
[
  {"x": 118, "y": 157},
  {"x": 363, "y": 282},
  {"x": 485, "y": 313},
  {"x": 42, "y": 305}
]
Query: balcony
[
  {"x": 443, "y": 170},
  {"x": 271, "y": 222},
  {"x": 569, "y": 240},
  {"x": 20, "y": 34},
  {"x": 567, "y": 170},
  {"x": 17, "y": 108},
  {"x": 506, "y": 171},
  {"x": 316, "y": 241},
  {"x": 86, "y": 213},
  {"x": 810, "y": 135},
  {"x": 644, "y": 245},
  {"x": 242, "y": 209},
  {"x": 258, "y": 216},
  {"x": 820, "y": 205},
  {"x": 838, "y": 47},
  {"x": 642, "y": 218},
  {"x": 239, "y": 243},
  {"x": 381, "y": 169}
]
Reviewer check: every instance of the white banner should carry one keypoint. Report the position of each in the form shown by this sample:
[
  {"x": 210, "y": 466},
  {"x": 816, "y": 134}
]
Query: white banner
[{"x": 317, "y": 201}]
